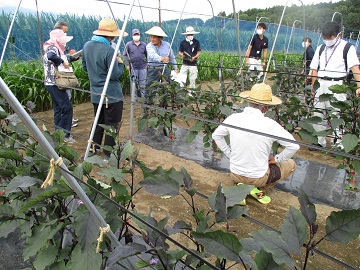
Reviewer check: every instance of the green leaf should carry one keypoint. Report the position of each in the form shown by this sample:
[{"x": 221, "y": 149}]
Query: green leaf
[
  {"x": 86, "y": 227},
  {"x": 220, "y": 205},
  {"x": 187, "y": 178},
  {"x": 313, "y": 120},
  {"x": 142, "y": 124},
  {"x": 10, "y": 226},
  {"x": 234, "y": 195},
  {"x": 306, "y": 136},
  {"x": 294, "y": 230},
  {"x": 325, "y": 97},
  {"x": 86, "y": 259},
  {"x": 236, "y": 211},
  {"x": 124, "y": 251},
  {"x": 127, "y": 150},
  {"x": 112, "y": 172},
  {"x": 336, "y": 122},
  {"x": 306, "y": 126},
  {"x": 265, "y": 261},
  {"x": 38, "y": 240},
  {"x": 153, "y": 122},
  {"x": 307, "y": 208},
  {"x": 340, "y": 105},
  {"x": 226, "y": 110},
  {"x": 46, "y": 257},
  {"x": 274, "y": 244},
  {"x": 191, "y": 136},
  {"x": 338, "y": 89},
  {"x": 349, "y": 142},
  {"x": 21, "y": 182},
  {"x": 343, "y": 226},
  {"x": 221, "y": 244},
  {"x": 161, "y": 185}
]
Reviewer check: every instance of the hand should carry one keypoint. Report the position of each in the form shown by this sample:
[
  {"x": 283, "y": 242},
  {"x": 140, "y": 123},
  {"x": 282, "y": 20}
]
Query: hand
[
  {"x": 247, "y": 61},
  {"x": 358, "y": 92},
  {"x": 272, "y": 160},
  {"x": 71, "y": 52},
  {"x": 128, "y": 68},
  {"x": 119, "y": 60},
  {"x": 192, "y": 59},
  {"x": 66, "y": 64},
  {"x": 176, "y": 71},
  {"x": 165, "y": 59}
]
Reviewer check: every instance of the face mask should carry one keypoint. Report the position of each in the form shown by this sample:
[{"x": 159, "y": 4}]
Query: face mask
[
  {"x": 332, "y": 42},
  {"x": 136, "y": 38},
  {"x": 259, "y": 31},
  {"x": 189, "y": 38},
  {"x": 304, "y": 44}
]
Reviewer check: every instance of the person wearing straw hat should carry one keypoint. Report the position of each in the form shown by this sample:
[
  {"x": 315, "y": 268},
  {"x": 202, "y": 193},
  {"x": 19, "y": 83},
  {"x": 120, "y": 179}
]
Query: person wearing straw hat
[
  {"x": 159, "y": 54},
  {"x": 249, "y": 152},
  {"x": 54, "y": 57},
  {"x": 96, "y": 61},
  {"x": 190, "y": 51}
]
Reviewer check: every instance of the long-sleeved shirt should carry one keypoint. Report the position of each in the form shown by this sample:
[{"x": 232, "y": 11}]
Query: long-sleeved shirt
[
  {"x": 249, "y": 152},
  {"x": 51, "y": 60},
  {"x": 96, "y": 61},
  {"x": 155, "y": 53},
  {"x": 137, "y": 53}
]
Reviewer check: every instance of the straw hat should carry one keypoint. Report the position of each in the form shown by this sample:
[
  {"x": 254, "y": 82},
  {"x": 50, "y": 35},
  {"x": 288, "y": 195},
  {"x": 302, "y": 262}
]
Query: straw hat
[
  {"x": 156, "y": 31},
  {"x": 261, "y": 93},
  {"x": 108, "y": 28},
  {"x": 190, "y": 31}
]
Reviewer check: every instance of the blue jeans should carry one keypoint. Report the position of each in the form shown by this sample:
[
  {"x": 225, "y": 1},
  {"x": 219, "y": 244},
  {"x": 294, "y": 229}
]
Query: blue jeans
[
  {"x": 63, "y": 110},
  {"x": 140, "y": 75}
]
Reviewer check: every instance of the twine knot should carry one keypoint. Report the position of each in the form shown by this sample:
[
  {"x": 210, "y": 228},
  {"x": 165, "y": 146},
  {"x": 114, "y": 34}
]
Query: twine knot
[
  {"x": 103, "y": 230},
  {"x": 50, "y": 177}
]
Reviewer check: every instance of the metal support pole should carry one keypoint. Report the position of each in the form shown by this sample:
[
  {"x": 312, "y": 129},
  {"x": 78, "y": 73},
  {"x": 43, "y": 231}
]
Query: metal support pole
[
  {"x": 107, "y": 82},
  {"x": 276, "y": 36},
  {"x": 9, "y": 33},
  {"x": 40, "y": 138},
  {"x": 357, "y": 42},
  {"x": 291, "y": 34},
  {"x": 132, "y": 106},
  {"x": 237, "y": 31}
]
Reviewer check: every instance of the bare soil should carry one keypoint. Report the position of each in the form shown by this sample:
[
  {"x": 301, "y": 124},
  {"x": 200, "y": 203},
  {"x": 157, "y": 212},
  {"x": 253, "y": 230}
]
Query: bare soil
[{"x": 206, "y": 182}]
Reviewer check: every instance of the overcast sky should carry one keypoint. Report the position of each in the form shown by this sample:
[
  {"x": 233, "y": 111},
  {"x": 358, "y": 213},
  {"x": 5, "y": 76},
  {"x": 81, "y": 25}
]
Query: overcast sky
[{"x": 122, "y": 7}]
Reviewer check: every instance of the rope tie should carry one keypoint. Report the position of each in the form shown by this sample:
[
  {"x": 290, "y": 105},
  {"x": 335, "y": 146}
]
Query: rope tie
[
  {"x": 106, "y": 100},
  {"x": 101, "y": 237},
  {"x": 92, "y": 145},
  {"x": 50, "y": 177}
]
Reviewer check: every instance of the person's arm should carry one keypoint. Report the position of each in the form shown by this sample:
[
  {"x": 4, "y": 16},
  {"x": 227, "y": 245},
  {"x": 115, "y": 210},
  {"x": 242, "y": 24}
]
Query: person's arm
[
  {"x": 173, "y": 60},
  {"x": 265, "y": 56},
  {"x": 356, "y": 72},
  {"x": 152, "y": 54},
  {"x": 314, "y": 65},
  {"x": 248, "y": 54},
  {"x": 289, "y": 148},
  {"x": 126, "y": 57},
  {"x": 219, "y": 137},
  {"x": 196, "y": 56}
]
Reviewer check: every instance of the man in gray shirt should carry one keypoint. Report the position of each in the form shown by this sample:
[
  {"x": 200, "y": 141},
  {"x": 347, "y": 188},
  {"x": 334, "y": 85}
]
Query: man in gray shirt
[{"x": 135, "y": 60}]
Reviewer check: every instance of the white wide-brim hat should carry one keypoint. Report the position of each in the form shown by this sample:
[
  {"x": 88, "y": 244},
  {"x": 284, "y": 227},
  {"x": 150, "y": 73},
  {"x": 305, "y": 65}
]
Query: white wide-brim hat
[
  {"x": 190, "y": 31},
  {"x": 261, "y": 93},
  {"x": 156, "y": 31}
]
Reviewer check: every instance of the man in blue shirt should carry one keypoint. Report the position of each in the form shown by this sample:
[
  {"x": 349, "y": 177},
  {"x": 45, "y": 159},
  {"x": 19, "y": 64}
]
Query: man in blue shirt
[
  {"x": 258, "y": 43},
  {"x": 189, "y": 51},
  {"x": 135, "y": 56},
  {"x": 159, "y": 54}
]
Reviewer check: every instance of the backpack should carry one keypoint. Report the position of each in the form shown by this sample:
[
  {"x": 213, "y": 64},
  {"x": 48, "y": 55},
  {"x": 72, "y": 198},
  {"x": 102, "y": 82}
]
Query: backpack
[{"x": 349, "y": 76}]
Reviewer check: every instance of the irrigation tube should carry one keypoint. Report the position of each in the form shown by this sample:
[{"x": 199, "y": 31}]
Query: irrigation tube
[
  {"x": 276, "y": 36},
  {"x": 8, "y": 35},
  {"x": 107, "y": 82},
  {"x": 34, "y": 130}
]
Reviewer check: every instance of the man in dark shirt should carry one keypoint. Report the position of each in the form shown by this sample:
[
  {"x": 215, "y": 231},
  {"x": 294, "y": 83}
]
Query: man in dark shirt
[
  {"x": 190, "y": 50},
  {"x": 258, "y": 43},
  {"x": 135, "y": 53},
  {"x": 308, "y": 54}
]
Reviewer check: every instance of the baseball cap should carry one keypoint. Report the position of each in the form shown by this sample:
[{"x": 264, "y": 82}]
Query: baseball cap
[{"x": 135, "y": 31}]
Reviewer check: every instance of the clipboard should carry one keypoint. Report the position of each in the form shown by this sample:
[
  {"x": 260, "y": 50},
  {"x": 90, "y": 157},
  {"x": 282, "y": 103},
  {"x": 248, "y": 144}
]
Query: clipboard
[{"x": 187, "y": 56}]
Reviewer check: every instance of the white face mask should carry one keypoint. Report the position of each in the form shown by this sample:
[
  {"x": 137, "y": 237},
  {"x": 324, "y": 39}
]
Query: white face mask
[
  {"x": 259, "y": 31},
  {"x": 189, "y": 38},
  {"x": 305, "y": 44},
  {"x": 136, "y": 38},
  {"x": 332, "y": 42}
]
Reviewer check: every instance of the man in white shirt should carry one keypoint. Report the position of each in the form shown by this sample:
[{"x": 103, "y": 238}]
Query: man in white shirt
[
  {"x": 249, "y": 152},
  {"x": 328, "y": 66}
]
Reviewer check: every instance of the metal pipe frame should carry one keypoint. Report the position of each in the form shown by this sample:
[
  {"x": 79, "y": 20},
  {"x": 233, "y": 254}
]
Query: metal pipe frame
[
  {"x": 107, "y": 82},
  {"x": 342, "y": 21},
  {"x": 291, "y": 34}
]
